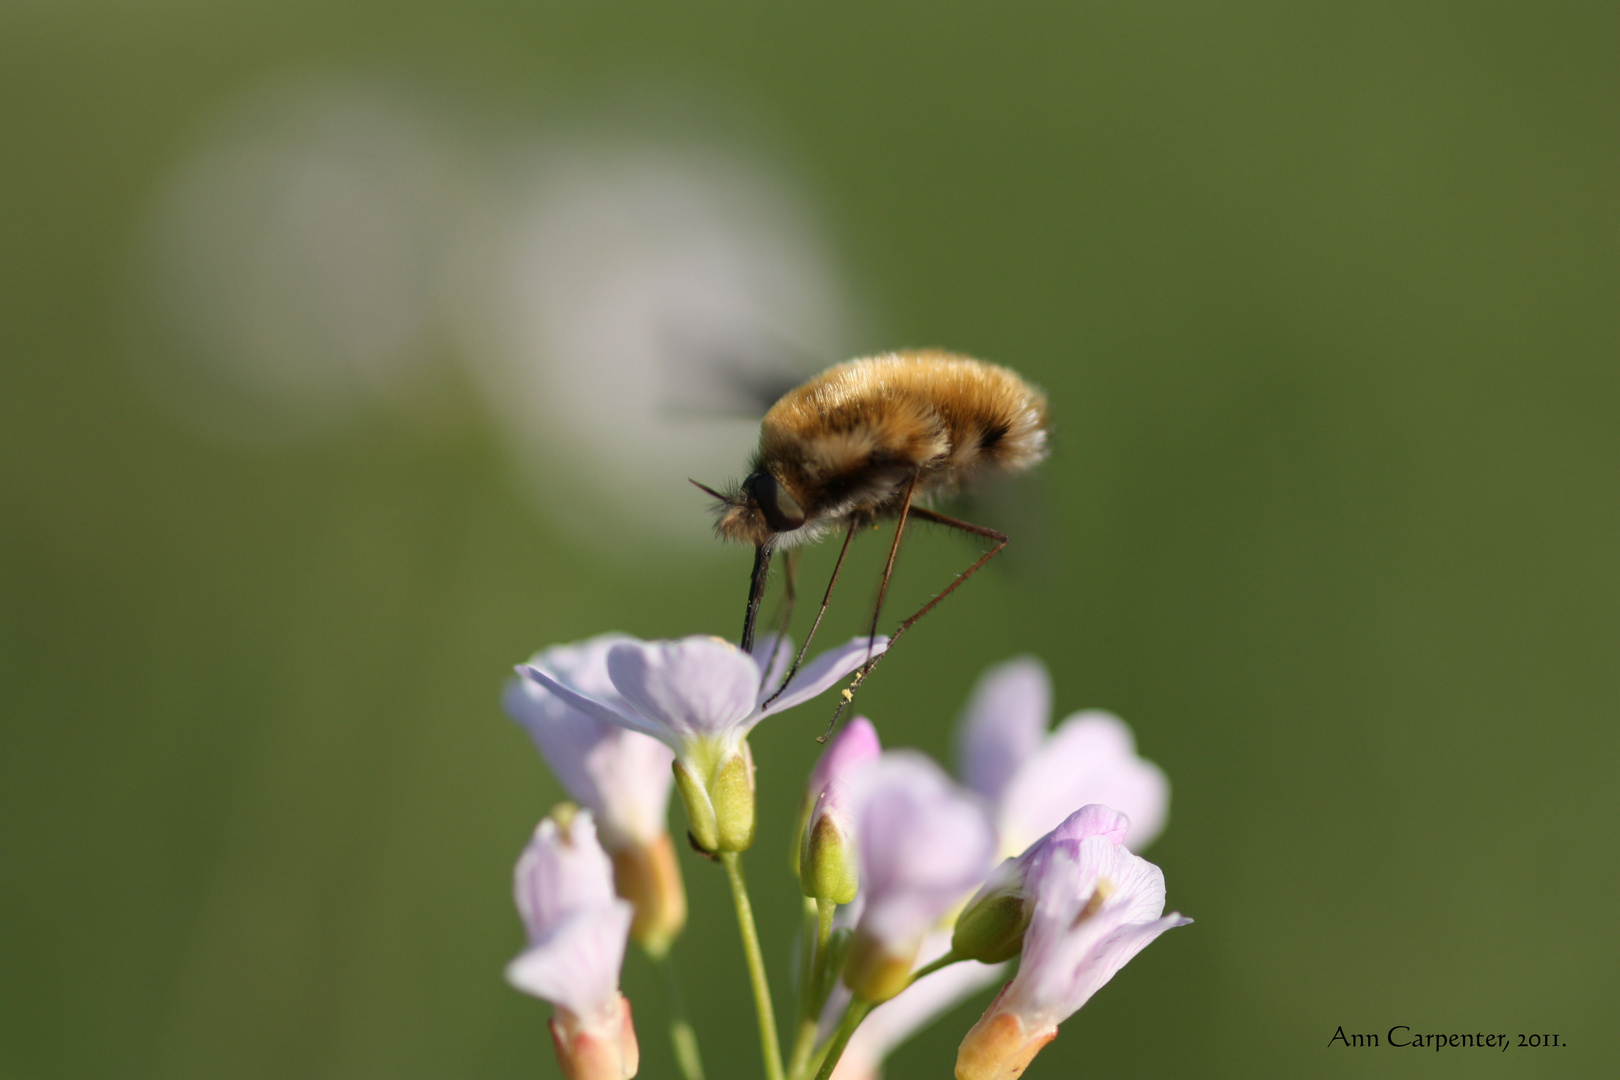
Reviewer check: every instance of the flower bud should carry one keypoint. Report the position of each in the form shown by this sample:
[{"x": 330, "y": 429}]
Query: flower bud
[
  {"x": 648, "y": 876},
  {"x": 829, "y": 868},
  {"x": 855, "y": 744},
  {"x": 733, "y": 798},
  {"x": 991, "y": 928},
  {"x": 699, "y": 808},
  {"x": 1000, "y": 1046},
  {"x": 719, "y": 797},
  {"x": 599, "y": 1047},
  {"x": 878, "y": 970}
]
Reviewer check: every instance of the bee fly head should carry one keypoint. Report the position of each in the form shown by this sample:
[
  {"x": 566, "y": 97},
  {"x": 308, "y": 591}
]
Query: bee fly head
[
  {"x": 771, "y": 496},
  {"x": 759, "y": 509}
]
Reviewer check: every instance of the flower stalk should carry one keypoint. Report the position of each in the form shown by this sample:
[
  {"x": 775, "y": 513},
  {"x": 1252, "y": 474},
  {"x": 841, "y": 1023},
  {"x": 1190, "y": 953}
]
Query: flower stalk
[{"x": 770, "y": 1049}]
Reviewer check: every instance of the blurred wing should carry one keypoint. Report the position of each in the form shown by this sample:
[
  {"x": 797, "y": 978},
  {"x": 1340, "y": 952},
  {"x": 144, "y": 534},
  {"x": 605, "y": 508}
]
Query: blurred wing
[{"x": 730, "y": 371}]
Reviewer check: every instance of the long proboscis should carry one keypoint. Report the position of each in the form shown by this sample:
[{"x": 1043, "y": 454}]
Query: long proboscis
[
  {"x": 756, "y": 592},
  {"x": 756, "y": 580}
]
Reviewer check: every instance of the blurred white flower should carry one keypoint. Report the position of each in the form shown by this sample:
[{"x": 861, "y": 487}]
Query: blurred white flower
[
  {"x": 295, "y": 252},
  {"x": 632, "y": 308}
]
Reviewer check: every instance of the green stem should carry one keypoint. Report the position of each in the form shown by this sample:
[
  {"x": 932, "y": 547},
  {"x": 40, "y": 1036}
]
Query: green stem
[
  {"x": 855, "y": 1013},
  {"x": 928, "y": 969},
  {"x": 858, "y": 1008},
  {"x": 809, "y": 971},
  {"x": 768, "y": 1045},
  {"x": 824, "y": 920},
  {"x": 682, "y": 1037},
  {"x": 814, "y": 993},
  {"x": 803, "y": 1046}
]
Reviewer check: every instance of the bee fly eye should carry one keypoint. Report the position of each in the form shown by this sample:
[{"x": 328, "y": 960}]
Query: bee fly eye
[{"x": 782, "y": 514}]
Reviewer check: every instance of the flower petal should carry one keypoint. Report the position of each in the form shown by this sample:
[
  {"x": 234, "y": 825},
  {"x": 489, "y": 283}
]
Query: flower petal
[
  {"x": 1091, "y": 820},
  {"x": 925, "y": 844},
  {"x": 621, "y": 776},
  {"x": 695, "y": 687},
  {"x": 563, "y": 870},
  {"x": 577, "y": 964},
  {"x": 823, "y": 671},
  {"x": 855, "y": 744},
  {"x": 773, "y": 653},
  {"x": 1090, "y": 758},
  {"x": 1003, "y": 724},
  {"x": 1068, "y": 957},
  {"x": 627, "y": 717}
]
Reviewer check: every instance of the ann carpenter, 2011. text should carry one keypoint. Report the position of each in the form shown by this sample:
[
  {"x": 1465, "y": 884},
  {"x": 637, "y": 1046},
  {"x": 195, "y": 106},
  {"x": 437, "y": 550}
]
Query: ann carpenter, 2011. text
[{"x": 1401, "y": 1036}]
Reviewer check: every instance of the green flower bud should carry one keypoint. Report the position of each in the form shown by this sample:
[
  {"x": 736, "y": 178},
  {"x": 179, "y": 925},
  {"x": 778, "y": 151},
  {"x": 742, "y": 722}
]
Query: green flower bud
[
  {"x": 733, "y": 801},
  {"x": 699, "y": 808},
  {"x": 828, "y": 866}
]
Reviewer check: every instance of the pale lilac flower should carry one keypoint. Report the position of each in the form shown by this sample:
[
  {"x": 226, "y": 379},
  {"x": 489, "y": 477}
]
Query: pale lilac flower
[
  {"x": 1095, "y": 905},
  {"x": 1035, "y": 779},
  {"x": 826, "y": 859},
  {"x": 577, "y": 930},
  {"x": 700, "y": 696},
  {"x": 992, "y": 923},
  {"x": 924, "y": 843},
  {"x": 622, "y": 777}
]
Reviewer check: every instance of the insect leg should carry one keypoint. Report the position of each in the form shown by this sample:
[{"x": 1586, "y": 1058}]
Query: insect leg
[
  {"x": 756, "y": 590},
  {"x": 825, "y": 600},
  {"x": 790, "y": 594},
  {"x": 939, "y": 519},
  {"x": 888, "y": 567}
]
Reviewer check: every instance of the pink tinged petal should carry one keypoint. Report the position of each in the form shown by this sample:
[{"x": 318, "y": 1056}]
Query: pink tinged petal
[
  {"x": 696, "y": 687},
  {"x": 919, "y": 1005},
  {"x": 632, "y": 777},
  {"x": 1090, "y": 821},
  {"x": 561, "y": 872},
  {"x": 855, "y": 744},
  {"x": 1003, "y": 724},
  {"x": 823, "y": 672},
  {"x": 576, "y": 965},
  {"x": 924, "y": 845},
  {"x": 1090, "y": 758}
]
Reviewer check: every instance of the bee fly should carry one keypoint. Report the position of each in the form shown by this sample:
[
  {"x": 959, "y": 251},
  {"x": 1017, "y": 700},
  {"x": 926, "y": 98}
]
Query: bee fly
[{"x": 865, "y": 441}]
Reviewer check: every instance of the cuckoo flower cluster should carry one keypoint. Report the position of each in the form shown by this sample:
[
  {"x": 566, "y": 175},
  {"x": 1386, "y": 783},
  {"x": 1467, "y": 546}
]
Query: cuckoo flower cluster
[{"x": 920, "y": 889}]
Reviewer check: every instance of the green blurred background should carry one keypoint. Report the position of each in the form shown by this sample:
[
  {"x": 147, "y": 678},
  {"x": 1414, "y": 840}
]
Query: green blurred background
[{"x": 1324, "y": 299}]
